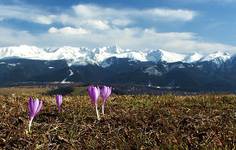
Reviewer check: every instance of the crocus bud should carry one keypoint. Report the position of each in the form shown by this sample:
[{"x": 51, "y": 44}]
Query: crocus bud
[
  {"x": 105, "y": 93},
  {"x": 59, "y": 102},
  {"x": 34, "y": 107},
  {"x": 94, "y": 93}
]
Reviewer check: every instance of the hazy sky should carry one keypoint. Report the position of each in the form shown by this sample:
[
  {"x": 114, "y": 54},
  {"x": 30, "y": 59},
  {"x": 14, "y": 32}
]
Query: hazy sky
[{"x": 175, "y": 25}]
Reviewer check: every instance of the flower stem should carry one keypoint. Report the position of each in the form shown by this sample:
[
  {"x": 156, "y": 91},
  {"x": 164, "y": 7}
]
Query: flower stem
[
  {"x": 30, "y": 123},
  {"x": 59, "y": 109},
  {"x": 103, "y": 108},
  {"x": 98, "y": 116}
]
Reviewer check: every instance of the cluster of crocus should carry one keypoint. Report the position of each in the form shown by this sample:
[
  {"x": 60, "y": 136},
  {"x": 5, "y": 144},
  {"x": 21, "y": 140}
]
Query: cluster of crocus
[
  {"x": 35, "y": 106},
  {"x": 94, "y": 93}
]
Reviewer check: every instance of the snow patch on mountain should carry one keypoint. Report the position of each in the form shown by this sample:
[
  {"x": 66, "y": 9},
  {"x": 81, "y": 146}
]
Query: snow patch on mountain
[
  {"x": 12, "y": 65},
  {"x": 64, "y": 81},
  {"x": 193, "y": 58},
  {"x": 71, "y": 73},
  {"x": 153, "y": 71}
]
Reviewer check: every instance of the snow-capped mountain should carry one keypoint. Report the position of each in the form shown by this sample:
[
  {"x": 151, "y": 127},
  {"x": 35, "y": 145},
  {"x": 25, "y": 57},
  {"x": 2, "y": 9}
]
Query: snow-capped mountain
[
  {"x": 23, "y": 51},
  {"x": 84, "y": 56},
  {"x": 217, "y": 57},
  {"x": 114, "y": 65}
]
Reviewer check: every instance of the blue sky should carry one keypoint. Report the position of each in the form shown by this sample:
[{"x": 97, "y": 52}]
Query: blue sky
[{"x": 184, "y": 26}]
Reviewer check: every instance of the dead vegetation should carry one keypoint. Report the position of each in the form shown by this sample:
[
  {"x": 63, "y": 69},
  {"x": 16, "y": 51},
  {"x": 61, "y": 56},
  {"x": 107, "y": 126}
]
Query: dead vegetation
[{"x": 130, "y": 122}]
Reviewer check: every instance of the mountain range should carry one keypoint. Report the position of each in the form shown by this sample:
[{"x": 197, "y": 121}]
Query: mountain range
[
  {"x": 85, "y": 56},
  {"x": 113, "y": 65}
]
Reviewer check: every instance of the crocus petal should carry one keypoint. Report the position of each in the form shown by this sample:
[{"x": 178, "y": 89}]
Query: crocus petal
[
  {"x": 97, "y": 92},
  {"x": 35, "y": 106},
  {"x": 59, "y": 100},
  {"x": 105, "y": 93},
  {"x": 94, "y": 93},
  {"x": 39, "y": 107},
  {"x": 110, "y": 90},
  {"x": 30, "y": 107},
  {"x": 30, "y": 104}
]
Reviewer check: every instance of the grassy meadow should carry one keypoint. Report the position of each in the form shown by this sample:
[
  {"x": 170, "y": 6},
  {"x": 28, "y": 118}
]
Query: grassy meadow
[{"x": 130, "y": 122}]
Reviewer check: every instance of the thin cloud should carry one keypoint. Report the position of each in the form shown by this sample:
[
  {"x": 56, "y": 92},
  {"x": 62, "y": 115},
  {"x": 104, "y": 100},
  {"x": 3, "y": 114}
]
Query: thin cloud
[
  {"x": 26, "y": 13},
  {"x": 203, "y": 1},
  {"x": 11, "y": 37},
  {"x": 94, "y": 11},
  {"x": 93, "y": 14},
  {"x": 125, "y": 16},
  {"x": 68, "y": 30}
]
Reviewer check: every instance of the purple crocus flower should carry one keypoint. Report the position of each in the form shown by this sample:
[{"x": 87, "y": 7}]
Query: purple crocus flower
[
  {"x": 34, "y": 107},
  {"x": 105, "y": 93},
  {"x": 59, "y": 102},
  {"x": 94, "y": 93}
]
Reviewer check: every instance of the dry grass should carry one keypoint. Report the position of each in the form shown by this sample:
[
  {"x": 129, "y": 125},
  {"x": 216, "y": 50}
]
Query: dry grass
[
  {"x": 130, "y": 122},
  {"x": 23, "y": 91}
]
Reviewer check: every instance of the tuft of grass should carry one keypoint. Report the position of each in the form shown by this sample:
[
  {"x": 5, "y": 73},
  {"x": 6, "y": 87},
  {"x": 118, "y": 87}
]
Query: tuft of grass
[{"x": 130, "y": 122}]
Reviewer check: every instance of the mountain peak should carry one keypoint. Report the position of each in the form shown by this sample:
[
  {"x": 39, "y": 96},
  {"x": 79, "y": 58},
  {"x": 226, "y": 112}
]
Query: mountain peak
[
  {"x": 162, "y": 55},
  {"x": 218, "y": 56},
  {"x": 221, "y": 53},
  {"x": 112, "y": 49},
  {"x": 194, "y": 57}
]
